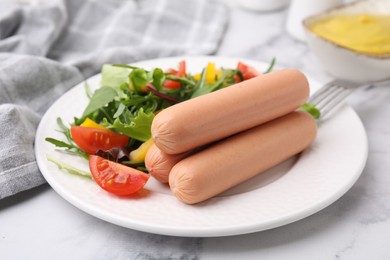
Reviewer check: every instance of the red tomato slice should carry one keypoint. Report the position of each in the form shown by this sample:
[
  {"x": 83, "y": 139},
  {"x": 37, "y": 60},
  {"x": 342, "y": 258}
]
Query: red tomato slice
[
  {"x": 177, "y": 73},
  {"x": 116, "y": 178},
  {"x": 92, "y": 140},
  {"x": 171, "y": 84},
  {"x": 247, "y": 71},
  {"x": 182, "y": 68}
]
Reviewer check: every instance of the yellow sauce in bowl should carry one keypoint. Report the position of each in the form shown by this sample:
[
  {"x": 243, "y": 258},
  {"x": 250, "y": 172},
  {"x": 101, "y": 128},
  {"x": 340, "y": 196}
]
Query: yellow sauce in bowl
[{"x": 365, "y": 33}]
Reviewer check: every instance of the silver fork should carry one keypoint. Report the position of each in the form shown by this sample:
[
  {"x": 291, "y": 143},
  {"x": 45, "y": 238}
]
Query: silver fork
[{"x": 331, "y": 95}]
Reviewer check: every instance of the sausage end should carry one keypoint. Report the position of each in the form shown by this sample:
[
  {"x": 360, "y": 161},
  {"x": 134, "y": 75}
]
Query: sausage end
[
  {"x": 164, "y": 134},
  {"x": 183, "y": 185}
]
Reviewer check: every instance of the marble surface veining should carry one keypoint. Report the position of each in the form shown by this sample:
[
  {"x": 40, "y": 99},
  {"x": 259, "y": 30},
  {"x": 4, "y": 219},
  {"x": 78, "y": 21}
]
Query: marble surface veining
[{"x": 39, "y": 224}]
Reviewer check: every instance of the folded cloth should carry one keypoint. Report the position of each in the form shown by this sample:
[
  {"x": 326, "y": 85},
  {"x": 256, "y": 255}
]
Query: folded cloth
[{"x": 46, "y": 47}]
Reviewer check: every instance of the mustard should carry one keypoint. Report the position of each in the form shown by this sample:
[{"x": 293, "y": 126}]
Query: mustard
[{"x": 366, "y": 33}]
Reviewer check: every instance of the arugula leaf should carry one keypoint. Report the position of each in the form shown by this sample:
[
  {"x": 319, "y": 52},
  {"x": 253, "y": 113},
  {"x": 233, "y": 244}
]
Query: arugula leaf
[
  {"x": 100, "y": 98},
  {"x": 120, "y": 110},
  {"x": 205, "y": 89},
  {"x": 69, "y": 168},
  {"x": 200, "y": 85},
  {"x": 182, "y": 80},
  {"x": 113, "y": 76},
  {"x": 271, "y": 66},
  {"x": 61, "y": 124},
  {"x": 137, "y": 127},
  {"x": 58, "y": 143},
  {"x": 158, "y": 78},
  {"x": 311, "y": 109},
  {"x": 87, "y": 90},
  {"x": 65, "y": 130},
  {"x": 70, "y": 146}
]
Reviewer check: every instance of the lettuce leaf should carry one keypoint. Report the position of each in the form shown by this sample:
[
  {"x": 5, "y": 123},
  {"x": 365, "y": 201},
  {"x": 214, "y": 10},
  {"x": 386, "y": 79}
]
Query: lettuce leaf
[
  {"x": 137, "y": 127},
  {"x": 113, "y": 76}
]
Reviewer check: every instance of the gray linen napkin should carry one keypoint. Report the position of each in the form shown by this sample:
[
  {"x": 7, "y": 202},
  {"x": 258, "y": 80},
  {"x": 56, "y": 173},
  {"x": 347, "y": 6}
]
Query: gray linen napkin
[{"x": 46, "y": 47}]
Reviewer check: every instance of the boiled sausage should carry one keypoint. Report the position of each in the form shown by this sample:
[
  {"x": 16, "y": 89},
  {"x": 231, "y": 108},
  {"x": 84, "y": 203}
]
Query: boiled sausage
[
  {"x": 238, "y": 158},
  {"x": 228, "y": 111},
  {"x": 159, "y": 164}
]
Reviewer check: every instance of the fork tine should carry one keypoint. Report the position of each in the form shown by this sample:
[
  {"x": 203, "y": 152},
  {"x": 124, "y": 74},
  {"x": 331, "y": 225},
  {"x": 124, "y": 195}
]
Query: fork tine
[
  {"x": 333, "y": 103},
  {"x": 327, "y": 97},
  {"x": 331, "y": 95},
  {"x": 321, "y": 92}
]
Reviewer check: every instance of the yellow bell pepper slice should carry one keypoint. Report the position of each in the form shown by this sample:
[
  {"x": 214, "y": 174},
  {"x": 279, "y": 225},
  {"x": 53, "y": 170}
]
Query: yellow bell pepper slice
[
  {"x": 140, "y": 153},
  {"x": 197, "y": 76},
  {"x": 210, "y": 72},
  {"x": 92, "y": 124}
]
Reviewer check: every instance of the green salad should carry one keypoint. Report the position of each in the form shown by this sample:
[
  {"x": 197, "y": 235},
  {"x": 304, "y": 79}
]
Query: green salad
[{"x": 113, "y": 132}]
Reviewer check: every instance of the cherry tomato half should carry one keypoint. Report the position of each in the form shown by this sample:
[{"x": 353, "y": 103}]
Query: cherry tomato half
[
  {"x": 177, "y": 73},
  {"x": 247, "y": 71},
  {"x": 116, "y": 178},
  {"x": 92, "y": 140}
]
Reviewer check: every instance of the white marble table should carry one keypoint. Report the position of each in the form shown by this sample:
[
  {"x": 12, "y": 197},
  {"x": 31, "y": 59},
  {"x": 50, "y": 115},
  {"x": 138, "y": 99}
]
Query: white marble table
[{"x": 39, "y": 224}]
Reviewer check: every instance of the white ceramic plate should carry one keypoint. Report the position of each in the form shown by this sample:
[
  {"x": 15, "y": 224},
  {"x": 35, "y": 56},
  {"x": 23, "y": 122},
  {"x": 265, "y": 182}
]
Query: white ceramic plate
[{"x": 290, "y": 191}]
